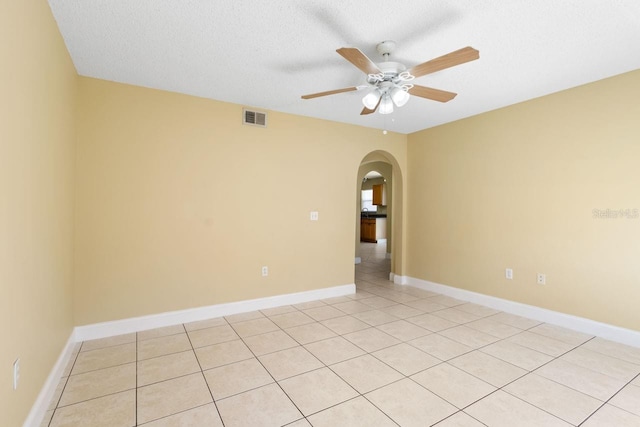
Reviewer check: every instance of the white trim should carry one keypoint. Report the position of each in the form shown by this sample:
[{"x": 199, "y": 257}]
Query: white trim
[
  {"x": 382, "y": 241},
  {"x": 580, "y": 324},
  {"x": 400, "y": 280},
  {"x": 358, "y": 260},
  {"x": 48, "y": 390},
  {"x": 142, "y": 323}
]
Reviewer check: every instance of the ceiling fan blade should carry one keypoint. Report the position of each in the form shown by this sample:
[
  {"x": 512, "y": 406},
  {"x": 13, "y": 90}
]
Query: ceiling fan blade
[
  {"x": 452, "y": 59},
  {"x": 359, "y": 59},
  {"x": 330, "y": 92},
  {"x": 433, "y": 94},
  {"x": 366, "y": 111}
]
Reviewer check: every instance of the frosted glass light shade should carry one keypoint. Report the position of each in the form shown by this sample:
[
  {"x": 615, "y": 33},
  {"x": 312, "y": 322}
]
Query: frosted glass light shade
[
  {"x": 371, "y": 99},
  {"x": 399, "y": 96},
  {"x": 386, "y": 106}
]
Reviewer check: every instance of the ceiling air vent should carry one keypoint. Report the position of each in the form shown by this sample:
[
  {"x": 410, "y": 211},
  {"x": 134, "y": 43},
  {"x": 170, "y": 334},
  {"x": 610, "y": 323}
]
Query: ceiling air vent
[{"x": 254, "y": 118}]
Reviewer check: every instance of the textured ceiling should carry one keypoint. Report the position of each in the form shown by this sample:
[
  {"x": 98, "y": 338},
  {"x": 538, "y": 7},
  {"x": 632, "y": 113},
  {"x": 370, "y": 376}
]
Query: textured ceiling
[{"x": 266, "y": 54}]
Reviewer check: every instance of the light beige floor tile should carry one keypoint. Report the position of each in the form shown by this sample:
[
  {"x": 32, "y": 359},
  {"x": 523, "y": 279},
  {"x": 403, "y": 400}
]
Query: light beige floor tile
[
  {"x": 334, "y": 350},
  {"x": 360, "y": 295},
  {"x": 469, "y": 337},
  {"x": 205, "y": 415},
  {"x": 478, "y": 310},
  {"x": 518, "y": 355},
  {"x": 446, "y": 300},
  {"x": 336, "y": 300},
  {"x": 104, "y": 358},
  {"x": 455, "y": 315},
  {"x": 406, "y": 359},
  {"x": 289, "y": 320},
  {"x": 488, "y": 368},
  {"x": 426, "y": 305},
  {"x": 378, "y": 302},
  {"x": 420, "y": 293},
  {"x": 210, "y": 336},
  {"x": 172, "y": 396},
  {"x": 222, "y": 354},
  {"x": 561, "y": 401},
  {"x": 278, "y": 310},
  {"x": 491, "y": 327},
  {"x": 366, "y": 373},
  {"x": 431, "y": 322},
  {"x": 69, "y": 366},
  {"x": 265, "y": 406},
  {"x": 46, "y": 419},
  {"x": 402, "y": 311},
  {"x": 453, "y": 385},
  {"x": 375, "y": 317},
  {"x": 160, "y": 332},
  {"x": 323, "y": 312},
  {"x": 608, "y": 416},
  {"x": 270, "y": 342},
  {"x": 164, "y": 345},
  {"x": 243, "y": 317},
  {"x": 441, "y": 347},
  {"x": 561, "y": 334},
  {"x": 410, "y": 404},
  {"x": 460, "y": 419},
  {"x": 628, "y": 399},
  {"x": 312, "y": 332},
  {"x": 203, "y": 324},
  {"x": 235, "y": 378},
  {"x": 614, "y": 349},
  {"x": 300, "y": 423},
  {"x": 115, "y": 410},
  {"x": 287, "y": 363},
  {"x": 309, "y": 304},
  {"x": 351, "y": 307},
  {"x": 500, "y": 409},
  {"x": 166, "y": 367},
  {"x": 598, "y": 362},
  {"x": 636, "y": 381},
  {"x": 58, "y": 393},
  {"x": 358, "y": 412},
  {"x": 579, "y": 378},
  {"x": 254, "y": 327},
  {"x": 403, "y": 330},
  {"x": 108, "y": 342},
  {"x": 541, "y": 343},
  {"x": 99, "y": 383},
  {"x": 317, "y": 390},
  {"x": 513, "y": 320},
  {"x": 371, "y": 339},
  {"x": 344, "y": 325}
]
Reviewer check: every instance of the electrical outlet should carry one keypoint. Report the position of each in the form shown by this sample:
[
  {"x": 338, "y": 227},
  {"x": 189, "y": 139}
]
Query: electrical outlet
[
  {"x": 265, "y": 271},
  {"x": 508, "y": 273},
  {"x": 542, "y": 279},
  {"x": 313, "y": 216},
  {"x": 16, "y": 373}
]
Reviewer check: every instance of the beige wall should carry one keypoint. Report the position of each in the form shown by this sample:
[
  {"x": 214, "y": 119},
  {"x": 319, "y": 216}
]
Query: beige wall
[
  {"x": 37, "y": 138},
  {"x": 179, "y": 204},
  {"x": 517, "y": 187}
]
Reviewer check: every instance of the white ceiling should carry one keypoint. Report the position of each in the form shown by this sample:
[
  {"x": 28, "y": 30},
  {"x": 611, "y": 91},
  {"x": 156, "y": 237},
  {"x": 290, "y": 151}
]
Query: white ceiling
[{"x": 266, "y": 54}]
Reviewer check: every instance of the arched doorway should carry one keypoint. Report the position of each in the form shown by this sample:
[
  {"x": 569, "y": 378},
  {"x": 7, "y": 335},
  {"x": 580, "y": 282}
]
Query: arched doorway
[{"x": 389, "y": 174}]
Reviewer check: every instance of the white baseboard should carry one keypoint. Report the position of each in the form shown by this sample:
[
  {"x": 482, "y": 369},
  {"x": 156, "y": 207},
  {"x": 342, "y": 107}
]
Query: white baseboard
[
  {"x": 580, "y": 324},
  {"x": 143, "y": 323},
  {"x": 400, "y": 280},
  {"x": 382, "y": 241},
  {"x": 41, "y": 405},
  {"x": 358, "y": 260}
]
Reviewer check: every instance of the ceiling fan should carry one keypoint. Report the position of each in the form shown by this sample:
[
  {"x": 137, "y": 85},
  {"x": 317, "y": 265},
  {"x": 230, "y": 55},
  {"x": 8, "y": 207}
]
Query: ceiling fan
[{"x": 388, "y": 80}]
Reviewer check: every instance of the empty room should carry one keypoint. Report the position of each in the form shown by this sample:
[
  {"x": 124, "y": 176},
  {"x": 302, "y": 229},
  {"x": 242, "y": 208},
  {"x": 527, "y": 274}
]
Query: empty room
[{"x": 319, "y": 213}]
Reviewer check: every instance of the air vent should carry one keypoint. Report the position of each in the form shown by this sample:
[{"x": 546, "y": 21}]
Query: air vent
[{"x": 254, "y": 118}]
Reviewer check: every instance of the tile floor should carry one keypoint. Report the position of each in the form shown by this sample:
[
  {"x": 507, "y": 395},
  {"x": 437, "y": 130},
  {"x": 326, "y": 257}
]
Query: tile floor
[{"x": 386, "y": 356}]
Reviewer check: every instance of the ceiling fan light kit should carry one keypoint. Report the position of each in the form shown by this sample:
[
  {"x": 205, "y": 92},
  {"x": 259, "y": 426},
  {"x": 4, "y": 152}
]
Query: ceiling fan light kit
[{"x": 387, "y": 79}]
